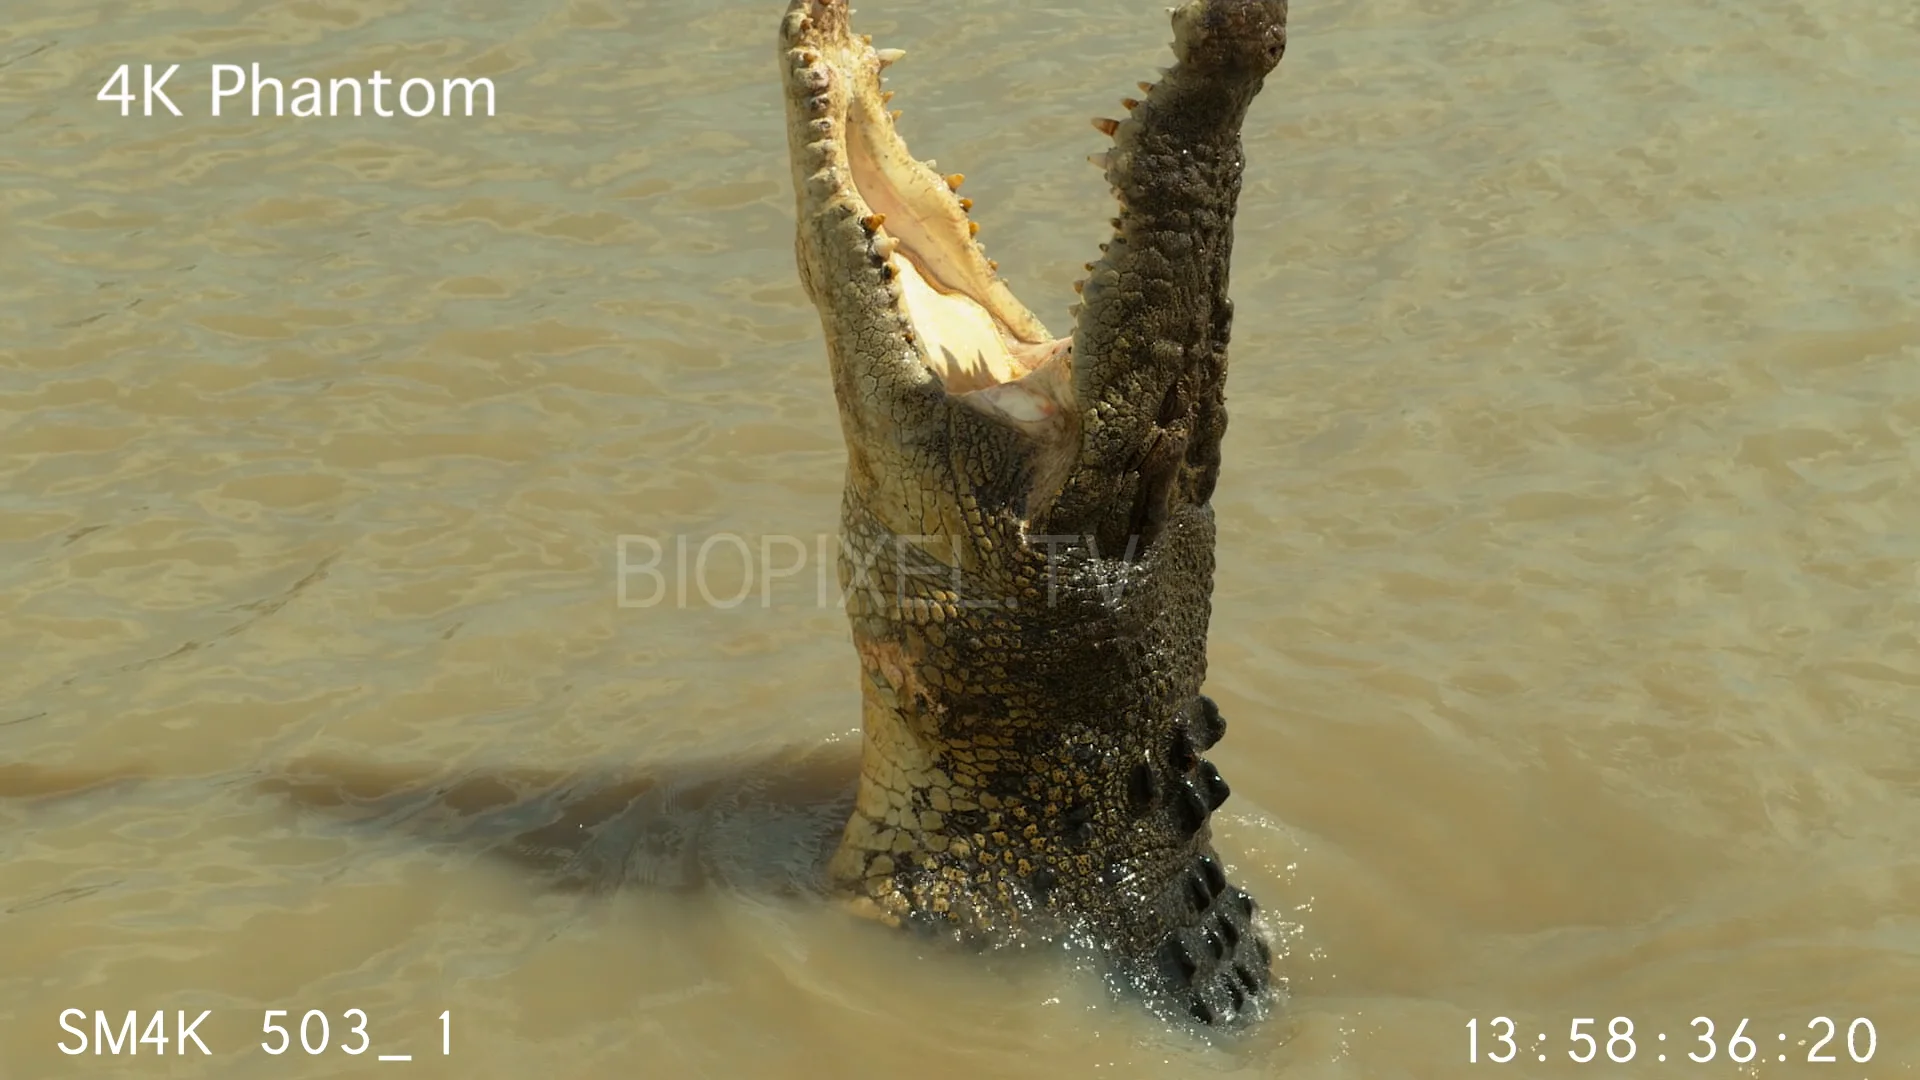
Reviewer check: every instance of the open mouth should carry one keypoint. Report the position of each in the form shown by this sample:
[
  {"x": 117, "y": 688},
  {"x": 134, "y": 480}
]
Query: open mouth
[{"x": 967, "y": 327}]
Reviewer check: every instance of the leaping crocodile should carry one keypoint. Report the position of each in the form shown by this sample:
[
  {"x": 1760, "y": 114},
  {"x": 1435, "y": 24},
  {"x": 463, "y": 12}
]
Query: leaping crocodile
[{"x": 1027, "y": 542}]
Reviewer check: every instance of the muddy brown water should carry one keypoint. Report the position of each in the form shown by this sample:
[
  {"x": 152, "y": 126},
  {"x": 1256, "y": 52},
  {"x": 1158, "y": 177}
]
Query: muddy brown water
[{"x": 1570, "y": 542}]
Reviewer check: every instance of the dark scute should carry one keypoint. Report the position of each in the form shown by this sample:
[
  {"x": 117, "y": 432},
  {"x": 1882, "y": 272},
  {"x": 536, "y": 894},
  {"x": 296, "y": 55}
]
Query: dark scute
[
  {"x": 1265, "y": 950},
  {"x": 1208, "y": 725},
  {"x": 1197, "y": 892},
  {"x": 1201, "y": 1010},
  {"x": 1247, "y": 977},
  {"x": 1190, "y": 808},
  {"x": 1214, "y": 945},
  {"x": 1237, "y": 993},
  {"x": 1215, "y": 877},
  {"x": 1043, "y": 881},
  {"x": 1010, "y": 784},
  {"x": 1180, "y": 752},
  {"x": 1172, "y": 407},
  {"x": 1217, "y": 789},
  {"x": 1229, "y": 932},
  {"x": 1143, "y": 787},
  {"x": 1079, "y": 825},
  {"x": 1177, "y": 959}
]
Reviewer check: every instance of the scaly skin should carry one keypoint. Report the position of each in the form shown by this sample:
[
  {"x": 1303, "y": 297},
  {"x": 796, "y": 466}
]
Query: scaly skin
[{"x": 1027, "y": 540}]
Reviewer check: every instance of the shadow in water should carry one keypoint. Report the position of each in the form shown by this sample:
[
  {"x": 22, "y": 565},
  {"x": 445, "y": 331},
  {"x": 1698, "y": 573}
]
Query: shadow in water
[{"x": 763, "y": 824}]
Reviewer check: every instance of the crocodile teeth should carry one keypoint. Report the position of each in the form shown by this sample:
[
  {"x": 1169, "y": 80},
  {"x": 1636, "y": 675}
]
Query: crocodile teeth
[
  {"x": 1130, "y": 104},
  {"x": 885, "y": 246},
  {"x": 894, "y": 115},
  {"x": 1105, "y": 126},
  {"x": 1145, "y": 87},
  {"x": 973, "y": 228},
  {"x": 889, "y": 57},
  {"x": 1099, "y": 160},
  {"x": 886, "y": 96},
  {"x": 954, "y": 180}
]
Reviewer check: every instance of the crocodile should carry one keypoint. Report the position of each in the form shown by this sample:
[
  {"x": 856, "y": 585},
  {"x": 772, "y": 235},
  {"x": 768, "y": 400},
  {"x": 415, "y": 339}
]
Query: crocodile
[{"x": 1027, "y": 542}]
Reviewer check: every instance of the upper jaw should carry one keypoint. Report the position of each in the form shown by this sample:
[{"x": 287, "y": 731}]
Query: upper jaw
[
  {"x": 913, "y": 255},
  {"x": 1118, "y": 425}
]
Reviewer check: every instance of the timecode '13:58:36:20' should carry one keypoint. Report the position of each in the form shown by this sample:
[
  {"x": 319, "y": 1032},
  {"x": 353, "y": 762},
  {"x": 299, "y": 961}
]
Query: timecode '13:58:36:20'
[{"x": 1823, "y": 1042}]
